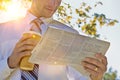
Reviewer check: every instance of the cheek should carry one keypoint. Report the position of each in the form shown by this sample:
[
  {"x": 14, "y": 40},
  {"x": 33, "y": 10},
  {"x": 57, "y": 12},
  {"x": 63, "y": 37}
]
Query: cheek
[
  {"x": 59, "y": 2},
  {"x": 55, "y": 9},
  {"x": 56, "y": 6}
]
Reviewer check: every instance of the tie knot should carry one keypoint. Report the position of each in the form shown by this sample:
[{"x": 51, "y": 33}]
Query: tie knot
[
  {"x": 36, "y": 24},
  {"x": 37, "y": 20}
]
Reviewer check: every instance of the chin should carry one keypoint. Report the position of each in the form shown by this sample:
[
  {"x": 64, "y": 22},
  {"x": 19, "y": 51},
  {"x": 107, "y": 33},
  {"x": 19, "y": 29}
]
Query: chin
[{"x": 48, "y": 16}]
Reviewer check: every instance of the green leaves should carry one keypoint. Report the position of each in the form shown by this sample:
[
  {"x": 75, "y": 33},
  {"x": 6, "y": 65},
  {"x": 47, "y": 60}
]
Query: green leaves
[
  {"x": 88, "y": 8},
  {"x": 98, "y": 3},
  {"x": 81, "y": 13},
  {"x": 89, "y": 29},
  {"x": 110, "y": 75},
  {"x": 101, "y": 18},
  {"x": 81, "y": 17}
]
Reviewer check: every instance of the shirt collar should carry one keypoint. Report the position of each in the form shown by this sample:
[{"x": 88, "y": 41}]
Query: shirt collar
[{"x": 31, "y": 17}]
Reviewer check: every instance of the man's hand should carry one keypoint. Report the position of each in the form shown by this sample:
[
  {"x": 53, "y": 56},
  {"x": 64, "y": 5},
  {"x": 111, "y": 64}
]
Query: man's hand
[
  {"x": 23, "y": 48},
  {"x": 95, "y": 66}
]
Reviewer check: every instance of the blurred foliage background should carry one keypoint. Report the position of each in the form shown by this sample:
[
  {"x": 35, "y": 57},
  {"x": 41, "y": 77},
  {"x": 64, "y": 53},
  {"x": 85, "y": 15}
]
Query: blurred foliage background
[{"x": 80, "y": 17}]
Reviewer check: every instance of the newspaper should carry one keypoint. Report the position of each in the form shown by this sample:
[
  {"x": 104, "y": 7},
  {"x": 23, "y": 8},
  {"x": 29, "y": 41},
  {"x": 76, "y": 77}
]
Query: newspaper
[{"x": 59, "y": 47}]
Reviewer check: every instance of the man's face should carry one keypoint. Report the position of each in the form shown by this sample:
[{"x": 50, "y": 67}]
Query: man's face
[{"x": 46, "y": 8}]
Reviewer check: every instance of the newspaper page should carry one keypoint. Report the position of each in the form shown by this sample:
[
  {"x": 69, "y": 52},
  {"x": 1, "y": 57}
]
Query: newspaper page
[{"x": 59, "y": 47}]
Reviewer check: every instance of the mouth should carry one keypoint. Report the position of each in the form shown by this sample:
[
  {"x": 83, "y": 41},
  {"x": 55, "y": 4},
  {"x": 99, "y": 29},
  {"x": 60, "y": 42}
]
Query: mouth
[{"x": 50, "y": 9}]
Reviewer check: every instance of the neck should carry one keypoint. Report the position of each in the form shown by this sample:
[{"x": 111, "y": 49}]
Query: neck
[{"x": 33, "y": 12}]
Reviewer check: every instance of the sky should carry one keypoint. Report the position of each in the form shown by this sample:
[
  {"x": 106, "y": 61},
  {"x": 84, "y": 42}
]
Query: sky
[{"x": 109, "y": 8}]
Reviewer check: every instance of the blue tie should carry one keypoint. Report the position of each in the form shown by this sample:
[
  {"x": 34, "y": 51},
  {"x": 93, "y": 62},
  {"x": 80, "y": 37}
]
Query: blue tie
[{"x": 32, "y": 75}]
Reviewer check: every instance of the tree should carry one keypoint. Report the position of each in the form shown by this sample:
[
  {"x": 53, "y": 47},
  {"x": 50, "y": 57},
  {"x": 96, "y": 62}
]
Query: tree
[
  {"x": 111, "y": 75},
  {"x": 84, "y": 20}
]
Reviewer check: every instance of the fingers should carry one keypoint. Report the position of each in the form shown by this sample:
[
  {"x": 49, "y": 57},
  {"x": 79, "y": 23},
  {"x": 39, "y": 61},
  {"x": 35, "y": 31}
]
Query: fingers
[
  {"x": 102, "y": 58},
  {"x": 27, "y": 40},
  {"x": 25, "y": 48},
  {"x": 14, "y": 59},
  {"x": 93, "y": 72},
  {"x": 31, "y": 42},
  {"x": 22, "y": 48},
  {"x": 26, "y": 45},
  {"x": 95, "y": 66},
  {"x": 90, "y": 66},
  {"x": 23, "y": 54},
  {"x": 100, "y": 62},
  {"x": 25, "y": 37},
  {"x": 95, "y": 62}
]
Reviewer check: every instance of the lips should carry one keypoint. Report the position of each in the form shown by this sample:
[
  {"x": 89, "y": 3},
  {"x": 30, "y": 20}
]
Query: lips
[{"x": 50, "y": 9}]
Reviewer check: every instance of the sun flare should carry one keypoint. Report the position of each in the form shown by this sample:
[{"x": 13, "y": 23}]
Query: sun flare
[{"x": 14, "y": 9}]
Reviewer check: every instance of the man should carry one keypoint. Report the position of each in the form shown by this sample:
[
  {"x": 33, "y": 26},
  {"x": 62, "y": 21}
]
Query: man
[{"x": 13, "y": 47}]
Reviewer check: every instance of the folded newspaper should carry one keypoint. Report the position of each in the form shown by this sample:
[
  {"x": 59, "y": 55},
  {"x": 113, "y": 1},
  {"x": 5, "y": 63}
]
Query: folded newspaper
[{"x": 59, "y": 47}]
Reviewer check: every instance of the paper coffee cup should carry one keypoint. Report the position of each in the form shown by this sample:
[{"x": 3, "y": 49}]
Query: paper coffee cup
[{"x": 25, "y": 64}]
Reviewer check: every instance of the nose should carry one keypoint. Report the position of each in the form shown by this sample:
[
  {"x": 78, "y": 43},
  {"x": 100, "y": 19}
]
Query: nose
[{"x": 52, "y": 3}]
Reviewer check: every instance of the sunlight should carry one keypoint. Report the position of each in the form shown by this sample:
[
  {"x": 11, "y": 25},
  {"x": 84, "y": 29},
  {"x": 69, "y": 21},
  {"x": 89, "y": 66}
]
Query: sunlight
[{"x": 14, "y": 9}]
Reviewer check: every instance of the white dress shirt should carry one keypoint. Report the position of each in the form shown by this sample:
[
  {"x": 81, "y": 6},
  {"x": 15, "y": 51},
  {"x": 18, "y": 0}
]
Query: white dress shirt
[{"x": 11, "y": 32}]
